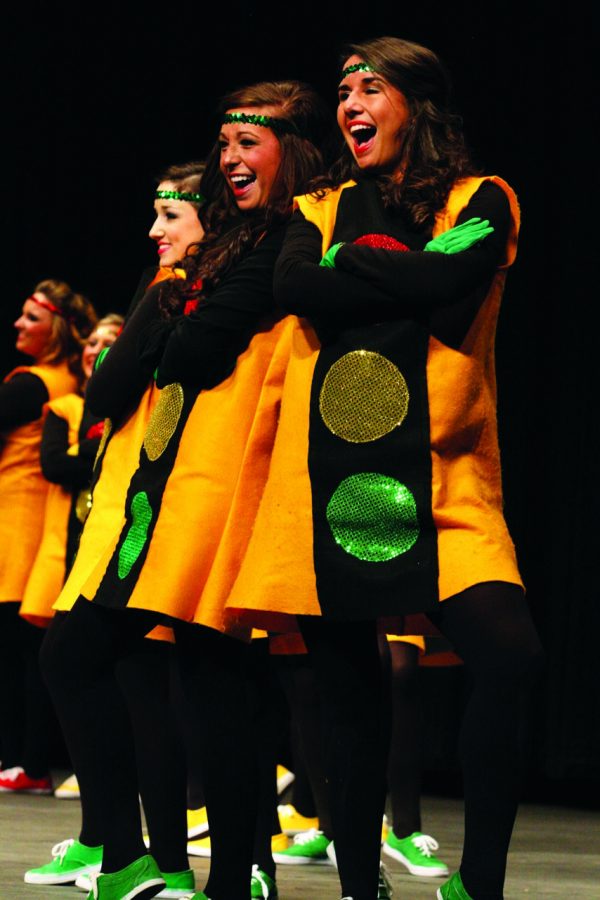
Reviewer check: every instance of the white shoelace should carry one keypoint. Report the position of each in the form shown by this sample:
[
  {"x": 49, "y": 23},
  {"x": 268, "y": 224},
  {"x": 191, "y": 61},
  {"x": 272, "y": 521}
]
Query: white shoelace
[
  {"x": 94, "y": 876},
  {"x": 305, "y": 837},
  {"x": 256, "y": 873},
  {"x": 59, "y": 851},
  {"x": 426, "y": 844}
]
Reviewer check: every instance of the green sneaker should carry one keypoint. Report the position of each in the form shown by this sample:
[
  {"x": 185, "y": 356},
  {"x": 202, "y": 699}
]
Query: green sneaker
[
  {"x": 309, "y": 848},
  {"x": 140, "y": 879},
  {"x": 70, "y": 859},
  {"x": 177, "y": 884},
  {"x": 416, "y": 853},
  {"x": 453, "y": 889},
  {"x": 384, "y": 886},
  {"x": 262, "y": 885}
]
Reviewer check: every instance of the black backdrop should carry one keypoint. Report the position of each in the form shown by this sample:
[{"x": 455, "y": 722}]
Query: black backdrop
[{"x": 98, "y": 100}]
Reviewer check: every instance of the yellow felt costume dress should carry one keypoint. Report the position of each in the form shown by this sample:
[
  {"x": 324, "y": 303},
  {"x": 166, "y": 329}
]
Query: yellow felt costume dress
[
  {"x": 205, "y": 454},
  {"x": 384, "y": 492},
  {"x": 23, "y": 488}
]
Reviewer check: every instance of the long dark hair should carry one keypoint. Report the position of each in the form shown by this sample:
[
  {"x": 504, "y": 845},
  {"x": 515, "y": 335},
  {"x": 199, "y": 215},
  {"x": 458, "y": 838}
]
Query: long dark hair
[
  {"x": 230, "y": 234},
  {"x": 434, "y": 154}
]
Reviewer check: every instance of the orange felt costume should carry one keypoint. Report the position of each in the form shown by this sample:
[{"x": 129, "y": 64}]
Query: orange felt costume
[
  {"x": 23, "y": 488},
  {"x": 459, "y": 538},
  {"x": 48, "y": 571}
]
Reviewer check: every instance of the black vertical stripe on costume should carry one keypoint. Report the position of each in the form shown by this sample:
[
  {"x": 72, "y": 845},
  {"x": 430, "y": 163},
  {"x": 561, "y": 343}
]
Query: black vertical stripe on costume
[
  {"x": 151, "y": 477},
  {"x": 350, "y": 587}
]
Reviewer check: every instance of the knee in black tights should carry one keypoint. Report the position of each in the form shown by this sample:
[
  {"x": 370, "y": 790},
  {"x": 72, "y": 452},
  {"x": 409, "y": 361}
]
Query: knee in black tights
[
  {"x": 87, "y": 641},
  {"x": 491, "y": 629}
]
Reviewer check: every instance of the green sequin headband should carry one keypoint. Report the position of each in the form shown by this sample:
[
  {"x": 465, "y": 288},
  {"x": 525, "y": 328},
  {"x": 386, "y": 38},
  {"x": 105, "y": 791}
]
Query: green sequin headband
[
  {"x": 357, "y": 67},
  {"x": 188, "y": 196},
  {"x": 283, "y": 126}
]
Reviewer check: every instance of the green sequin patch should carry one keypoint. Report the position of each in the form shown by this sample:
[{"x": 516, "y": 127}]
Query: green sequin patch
[
  {"x": 284, "y": 126},
  {"x": 163, "y": 421},
  {"x": 357, "y": 67},
  {"x": 373, "y": 517},
  {"x": 364, "y": 396},
  {"x": 188, "y": 196},
  {"x": 132, "y": 546}
]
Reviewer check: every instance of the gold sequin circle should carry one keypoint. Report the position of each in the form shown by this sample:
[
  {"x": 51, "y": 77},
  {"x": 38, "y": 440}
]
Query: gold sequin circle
[
  {"x": 83, "y": 504},
  {"x": 364, "y": 396},
  {"x": 163, "y": 420}
]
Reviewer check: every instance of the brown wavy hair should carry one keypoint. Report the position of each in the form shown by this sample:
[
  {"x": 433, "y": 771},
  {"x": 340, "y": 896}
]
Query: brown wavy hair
[
  {"x": 70, "y": 329},
  {"x": 434, "y": 153},
  {"x": 229, "y": 234}
]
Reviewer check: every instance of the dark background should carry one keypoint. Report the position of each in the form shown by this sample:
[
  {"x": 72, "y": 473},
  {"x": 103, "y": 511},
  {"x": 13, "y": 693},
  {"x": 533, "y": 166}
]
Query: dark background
[{"x": 99, "y": 99}]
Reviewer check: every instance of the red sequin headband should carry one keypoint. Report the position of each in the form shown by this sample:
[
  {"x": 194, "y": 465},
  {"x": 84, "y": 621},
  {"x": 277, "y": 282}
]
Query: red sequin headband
[{"x": 51, "y": 307}]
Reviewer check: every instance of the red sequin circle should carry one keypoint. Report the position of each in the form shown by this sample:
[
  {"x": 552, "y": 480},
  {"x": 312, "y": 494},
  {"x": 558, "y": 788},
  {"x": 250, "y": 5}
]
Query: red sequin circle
[{"x": 381, "y": 242}]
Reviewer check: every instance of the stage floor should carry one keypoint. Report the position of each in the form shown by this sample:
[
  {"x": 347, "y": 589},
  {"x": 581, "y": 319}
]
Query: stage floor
[{"x": 555, "y": 852}]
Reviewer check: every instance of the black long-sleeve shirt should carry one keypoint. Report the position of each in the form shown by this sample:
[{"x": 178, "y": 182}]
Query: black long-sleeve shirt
[
  {"x": 199, "y": 350},
  {"x": 442, "y": 287},
  {"x": 21, "y": 400}
]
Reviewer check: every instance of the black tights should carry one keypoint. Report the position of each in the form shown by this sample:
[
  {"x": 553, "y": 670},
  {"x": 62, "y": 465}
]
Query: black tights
[
  {"x": 404, "y": 761},
  {"x": 491, "y": 629},
  {"x": 27, "y": 719},
  {"x": 355, "y": 722},
  {"x": 310, "y": 795},
  {"x": 110, "y": 686},
  {"x": 222, "y": 680}
]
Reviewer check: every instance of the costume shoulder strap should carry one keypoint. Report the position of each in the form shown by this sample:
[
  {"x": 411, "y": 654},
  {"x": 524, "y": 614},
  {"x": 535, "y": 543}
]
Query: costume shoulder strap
[
  {"x": 58, "y": 379},
  {"x": 69, "y": 407},
  {"x": 459, "y": 197},
  {"x": 322, "y": 211}
]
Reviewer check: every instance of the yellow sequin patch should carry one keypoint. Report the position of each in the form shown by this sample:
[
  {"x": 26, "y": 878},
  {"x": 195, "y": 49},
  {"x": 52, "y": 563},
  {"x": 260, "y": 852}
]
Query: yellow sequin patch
[
  {"x": 364, "y": 396},
  {"x": 105, "y": 436},
  {"x": 163, "y": 420}
]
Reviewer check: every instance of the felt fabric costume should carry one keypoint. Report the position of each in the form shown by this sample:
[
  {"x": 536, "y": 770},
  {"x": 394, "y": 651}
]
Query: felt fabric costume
[
  {"x": 384, "y": 493},
  {"x": 205, "y": 453},
  {"x": 67, "y": 503},
  {"x": 23, "y": 488},
  {"x": 115, "y": 463}
]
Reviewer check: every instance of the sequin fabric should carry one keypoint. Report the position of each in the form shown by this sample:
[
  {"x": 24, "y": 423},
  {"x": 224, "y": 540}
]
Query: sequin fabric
[
  {"x": 373, "y": 517},
  {"x": 83, "y": 504},
  {"x": 141, "y": 513},
  {"x": 381, "y": 242},
  {"x": 363, "y": 397},
  {"x": 163, "y": 421}
]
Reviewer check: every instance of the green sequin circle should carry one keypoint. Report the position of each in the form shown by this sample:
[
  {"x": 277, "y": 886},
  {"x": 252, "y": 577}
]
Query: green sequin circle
[
  {"x": 364, "y": 396},
  {"x": 373, "y": 517},
  {"x": 163, "y": 420},
  {"x": 137, "y": 534}
]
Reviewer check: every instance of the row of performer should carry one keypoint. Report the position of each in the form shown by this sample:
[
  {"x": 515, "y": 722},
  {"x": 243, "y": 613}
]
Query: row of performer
[{"x": 278, "y": 475}]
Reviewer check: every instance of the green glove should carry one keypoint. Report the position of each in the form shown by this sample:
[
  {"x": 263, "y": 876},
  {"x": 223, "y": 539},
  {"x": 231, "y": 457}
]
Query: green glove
[
  {"x": 461, "y": 237},
  {"x": 100, "y": 358},
  {"x": 329, "y": 258}
]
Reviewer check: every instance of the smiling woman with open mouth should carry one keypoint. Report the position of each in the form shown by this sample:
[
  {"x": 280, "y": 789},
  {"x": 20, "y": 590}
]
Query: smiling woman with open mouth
[{"x": 384, "y": 495}]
